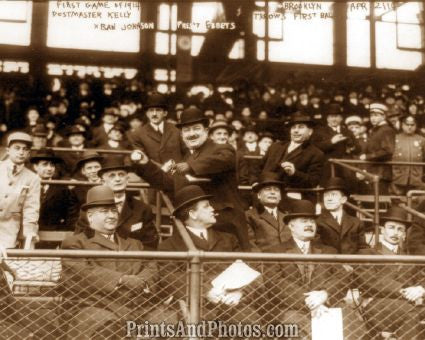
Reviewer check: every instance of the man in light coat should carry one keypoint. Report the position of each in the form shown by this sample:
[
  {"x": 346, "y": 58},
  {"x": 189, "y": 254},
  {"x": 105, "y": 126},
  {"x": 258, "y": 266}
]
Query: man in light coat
[{"x": 19, "y": 193}]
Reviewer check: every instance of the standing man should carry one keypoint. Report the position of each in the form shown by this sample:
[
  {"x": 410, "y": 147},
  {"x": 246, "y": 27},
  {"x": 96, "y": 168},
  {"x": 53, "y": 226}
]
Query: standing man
[
  {"x": 136, "y": 219},
  {"x": 298, "y": 162},
  {"x": 207, "y": 164},
  {"x": 409, "y": 147},
  {"x": 58, "y": 207},
  {"x": 19, "y": 193},
  {"x": 380, "y": 145},
  {"x": 100, "y": 133},
  {"x": 159, "y": 139},
  {"x": 335, "y": 226}
]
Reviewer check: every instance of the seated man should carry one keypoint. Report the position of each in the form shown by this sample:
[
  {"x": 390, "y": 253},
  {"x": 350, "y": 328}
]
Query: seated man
[
  {"x": 265, "y": 220},
  {"x": 101, "y": 294},
  {"x": 193, "y": 208},
  {"x": 58, "y": 207},
  {"x": 391, "y": 288},
  {"x": 136, "y": 219},
  {"x": 335, "y": 226},
  {"x": 298, "y": 290}
]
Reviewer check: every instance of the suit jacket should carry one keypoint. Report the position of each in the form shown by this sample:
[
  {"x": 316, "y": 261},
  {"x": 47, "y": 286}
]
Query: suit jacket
[
  {"x": 287, "y": 282},
  {"x": 347, "y": 238},
  {"x": 322, "y": 139},
  {"x": 99, "y": 136},
  {"x": 384, "y": 280},
  {"x": 380, "y": 147},
  {"x": 307, "y": 159},
  {"x": 19, "y": 204},
  {"x": 159, "y": 148},
  {"x": 264, "y": 230},
  {"x": 93, "y": 282},
  {"x": 59, "y": 209},
  {"x": 174, "y": 275},
  {"x": 136, "y": 220}
]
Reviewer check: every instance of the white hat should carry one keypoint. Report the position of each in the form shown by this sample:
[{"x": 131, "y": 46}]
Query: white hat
[
  {"x": 378, "y": 108},
  {"x": 353, "y": 119},
  {"x": 19, "y": 137}
]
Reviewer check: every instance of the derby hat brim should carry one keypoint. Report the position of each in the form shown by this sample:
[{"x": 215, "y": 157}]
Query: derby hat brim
[
  {"x": 396, "y": 219},
  {"x": 111, "y": 168},
  {"x": 52, "y": 159},
  {"x": 204, "y": 121},
  {"x": 229, "y": 128},
  {"x": 289, "y": 217},
  {"x": 191, "y": 201},
  {"x": 89, "y": 159},
  {"x": 258, "y": 186},
  {"x": 99, "y": 203}
]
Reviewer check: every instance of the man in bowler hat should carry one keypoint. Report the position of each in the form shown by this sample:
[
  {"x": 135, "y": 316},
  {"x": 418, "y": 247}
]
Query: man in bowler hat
[
  {"x": 207, "y": 164},
  {"x": 102, "y": 294}
]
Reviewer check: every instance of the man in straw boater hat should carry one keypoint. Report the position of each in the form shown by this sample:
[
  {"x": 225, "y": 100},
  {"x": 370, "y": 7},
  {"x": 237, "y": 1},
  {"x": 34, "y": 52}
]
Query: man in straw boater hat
[
  {"x": 103, "y": 295},
  {"x": 207, "y": 164},
  {"x": 299, "y": 290},
  {"x": 194, "y": 210},
  {"x": 136, "y": 219},
  {"x": 159, "y": 139},
  {"x": 19, "y": 192},
  {"x": 298, "y": 162},
  {"x": 58, "y": 206},
  {"x": 392, "y": 291},
  {"x": 265, "y": 219}
]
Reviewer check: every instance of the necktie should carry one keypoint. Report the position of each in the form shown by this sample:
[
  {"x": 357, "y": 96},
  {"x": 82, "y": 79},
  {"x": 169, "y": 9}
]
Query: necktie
[
  {"x": 15, "y": 170},
  {"x": 44, "y": 188},
  {"x": 203, "y": 237}
]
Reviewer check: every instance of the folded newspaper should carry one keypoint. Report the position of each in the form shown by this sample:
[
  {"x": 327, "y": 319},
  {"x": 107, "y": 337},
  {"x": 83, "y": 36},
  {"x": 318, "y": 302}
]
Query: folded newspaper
[{"x": 236, "y": 276}]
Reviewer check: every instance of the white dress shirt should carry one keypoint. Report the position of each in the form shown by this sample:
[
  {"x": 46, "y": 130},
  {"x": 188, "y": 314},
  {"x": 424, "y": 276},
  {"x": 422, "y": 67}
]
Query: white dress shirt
[
  {"x": 292, "y": 146},
  {"x": 272, "y": 211},
  {"x": 119, "y": 201},
  {"x": 251, "y": 146},
  {"x": 201, "y": 233},
  {"x": 392, "y": 247},
  {"x": 337, "y": 215},
  {"x": 158, "y": 128},
  {"x": 303, "y": 245}
]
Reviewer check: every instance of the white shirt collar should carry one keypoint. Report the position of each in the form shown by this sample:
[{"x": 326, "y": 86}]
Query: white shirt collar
[
  {"x": 113, "y": 143},
  {"x": 110, "y": 237},
  {"x": 251, "y": 146},
  {"x": 119, "y": 199},
  {"x": 337, "y": 215},
  {"x": 79, "y": 147},
  {"x": 159, "y": 127},
  {"x": 10, "y": 166},
  {"x": 199, "y": 232},
  {"x": 272, "y": 211},
  {"x": 392, "y": 247},
  {"x": 293, "y": 145},
  {"x": 303, "y": 245}
]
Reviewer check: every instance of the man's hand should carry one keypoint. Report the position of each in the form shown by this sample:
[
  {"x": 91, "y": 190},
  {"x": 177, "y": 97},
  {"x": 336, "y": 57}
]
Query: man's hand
[
  {"x": 134, "y": 283},
  {"x": 413, "y": 293},
  {"x": 338, "y": 138},
  {"x": 362, "y": 157},
  {"x": 169, "y": 166},
  {"x": 315, "y": 298},
  {"x": 139, "y": 157},
  {"x": 182, "y": 167},
  {"x": 288, "y": 167}
]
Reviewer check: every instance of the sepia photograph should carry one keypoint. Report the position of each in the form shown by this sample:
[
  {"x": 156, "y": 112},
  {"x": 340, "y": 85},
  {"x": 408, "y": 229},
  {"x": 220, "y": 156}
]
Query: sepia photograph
[{"x": 200, "y": 169}]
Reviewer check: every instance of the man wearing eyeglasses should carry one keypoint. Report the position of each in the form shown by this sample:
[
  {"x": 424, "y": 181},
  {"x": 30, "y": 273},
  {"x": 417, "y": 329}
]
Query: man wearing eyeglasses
[
  {"x": 409, "y": 147},
  {"x": 19, "y": 193}
]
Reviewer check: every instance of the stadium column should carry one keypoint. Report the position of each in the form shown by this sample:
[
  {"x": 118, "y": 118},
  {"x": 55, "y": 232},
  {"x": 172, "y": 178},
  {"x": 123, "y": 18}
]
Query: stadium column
[
  {"x": 38, "y": 45},
  {"x": 148, "y": 13},
  {"x": 184, "y": 42},
  {"x": 340, "y": 34}
]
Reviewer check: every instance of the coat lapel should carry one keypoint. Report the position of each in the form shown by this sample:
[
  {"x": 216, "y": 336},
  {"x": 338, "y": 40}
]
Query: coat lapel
[
  {"x": 332, "y": 222},
  {"x": 125, "y": 213},
  {"x": 104, "y": 242},
  {"x": 346, "y": 223},
  {"x": 166, "y": 135},
  {"x": 152, "y": 133},
  {"x": 266, "y": 216}
]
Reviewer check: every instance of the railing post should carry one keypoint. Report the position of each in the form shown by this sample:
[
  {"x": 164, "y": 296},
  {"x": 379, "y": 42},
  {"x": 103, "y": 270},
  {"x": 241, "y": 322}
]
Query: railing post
[
  {"x": 376, "y": 213},
  {"x": 158, "y": 217},
  {"x": 194, "y": 292},
  {"x": 332, "y": 168},
  {"x": 409, "y": 204}
]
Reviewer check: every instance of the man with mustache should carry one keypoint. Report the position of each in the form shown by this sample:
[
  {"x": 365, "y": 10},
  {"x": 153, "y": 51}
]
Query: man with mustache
[
  {"x": 101, "y": 294},
  {"x": 265, "y": 219},
  {"x": 159, "y": 139},
  {"x": 298, "y": 289},
  {"x": 19, "y": 192},
  {"x": 392, "y": 287},
  {"x": 298, "y": 163},
  {"x": 207, "y": 164}
]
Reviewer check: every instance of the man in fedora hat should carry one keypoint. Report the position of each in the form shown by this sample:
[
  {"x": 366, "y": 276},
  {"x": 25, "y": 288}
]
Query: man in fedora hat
[
  {"x": 392, "y": 288},
  {"x": 207, "y": 164},
  {"x": 298, "y": 163},
  {"x": 219, "y": 132},
  {"x": 159, "y": 139},
  {"x": 20, "y": 192},
  {"x": 76, "y": 140},
  {"x": 117, "y": 138},
  {"x": 136, "y": 219},
  {"x": 86, "y": 169},
  {"x": 380, "y": 145},
  {"x": 100, "y": 133},
  {"x": 101, "y": 295},
  {"x": 58, "y": 206},
  {"x": 335, "y": 140},
  {"x": 296, "y": 289},
  {"x": 335, "y": 226},
  {"x": 265, "y": 219},
  {"x": 194, "y": 210}
]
